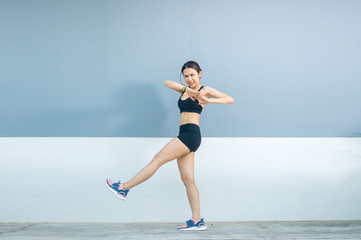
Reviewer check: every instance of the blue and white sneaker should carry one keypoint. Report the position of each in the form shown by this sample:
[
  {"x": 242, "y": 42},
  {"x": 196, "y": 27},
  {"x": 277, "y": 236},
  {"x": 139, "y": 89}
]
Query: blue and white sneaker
[
  {"x": 117, "y": 189},
  {"x": 192, "y": 225}
]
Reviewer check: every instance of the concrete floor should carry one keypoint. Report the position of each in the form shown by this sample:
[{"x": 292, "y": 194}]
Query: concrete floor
[{"x": 216, "y": 230}]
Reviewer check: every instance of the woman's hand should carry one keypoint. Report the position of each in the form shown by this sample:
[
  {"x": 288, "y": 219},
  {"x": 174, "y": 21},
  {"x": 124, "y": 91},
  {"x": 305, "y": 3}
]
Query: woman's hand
[
  {"x": 199, "y": 96},
  {"x": 192, "y": 94},
  {"x": 203, "y": 100}
]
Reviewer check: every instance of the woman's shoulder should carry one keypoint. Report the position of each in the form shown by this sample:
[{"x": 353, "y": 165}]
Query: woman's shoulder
[
  {"x": 212, "y": 92},
  {"x": 207, "y": 89}
]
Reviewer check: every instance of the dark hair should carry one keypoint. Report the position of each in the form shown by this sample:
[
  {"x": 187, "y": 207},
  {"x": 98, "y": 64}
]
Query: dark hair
[{"x": 190, "y": 64}]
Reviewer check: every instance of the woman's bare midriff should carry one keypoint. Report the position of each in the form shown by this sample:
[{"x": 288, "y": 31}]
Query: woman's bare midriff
[{"x": 189, "y": 117}]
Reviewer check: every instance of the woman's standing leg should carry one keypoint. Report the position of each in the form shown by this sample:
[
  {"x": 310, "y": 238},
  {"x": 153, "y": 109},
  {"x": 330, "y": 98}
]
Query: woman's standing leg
[
  {"x": 186, "y": 169},
  {"x": 172, "y": 150}
]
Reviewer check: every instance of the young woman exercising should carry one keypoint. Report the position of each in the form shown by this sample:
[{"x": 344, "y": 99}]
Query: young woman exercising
[{"x": 193, "y": 98}]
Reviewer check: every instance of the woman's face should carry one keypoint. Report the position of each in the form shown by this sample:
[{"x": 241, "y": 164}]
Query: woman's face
[{"x": 191, "y": 77}]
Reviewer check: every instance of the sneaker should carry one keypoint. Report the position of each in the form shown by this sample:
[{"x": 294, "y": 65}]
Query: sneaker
[
  {"x": 114, "y": 188},
  {"x": 193, "y": 225}
]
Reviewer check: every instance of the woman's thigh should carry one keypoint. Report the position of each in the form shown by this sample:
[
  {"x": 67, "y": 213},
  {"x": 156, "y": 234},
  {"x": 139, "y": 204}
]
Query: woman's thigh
[
  {"x": 186, "y": 167},
  {"x": 172, "y": 150}
]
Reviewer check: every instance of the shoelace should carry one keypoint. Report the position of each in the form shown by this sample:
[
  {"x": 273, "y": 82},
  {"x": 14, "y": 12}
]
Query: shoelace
[
  {"x": 190, "y": 221},
  {"x": 116, "y": 184}
]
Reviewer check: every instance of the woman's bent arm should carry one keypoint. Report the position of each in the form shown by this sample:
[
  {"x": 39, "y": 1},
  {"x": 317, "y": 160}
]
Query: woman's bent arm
[
  {"x": 174, "y": 85},
  {"x": 223, "y": 100},
  {"x": 211, "y": 95}
]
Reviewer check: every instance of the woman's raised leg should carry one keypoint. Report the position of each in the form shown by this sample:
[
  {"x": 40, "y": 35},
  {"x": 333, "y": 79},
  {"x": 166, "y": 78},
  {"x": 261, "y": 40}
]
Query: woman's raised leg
[
  {"x": 172, "y": 150},
  {"x": 186, "y": 169}
]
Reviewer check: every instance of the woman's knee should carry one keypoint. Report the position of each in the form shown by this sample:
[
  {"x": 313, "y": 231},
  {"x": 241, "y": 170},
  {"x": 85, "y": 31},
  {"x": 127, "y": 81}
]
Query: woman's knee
[
  {"x": 156, "y": 161},
  {"x": 187, "y": 180}
]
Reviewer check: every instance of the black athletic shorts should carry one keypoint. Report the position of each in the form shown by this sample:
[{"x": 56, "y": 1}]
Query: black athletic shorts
[{"x": 190, "y": 135}]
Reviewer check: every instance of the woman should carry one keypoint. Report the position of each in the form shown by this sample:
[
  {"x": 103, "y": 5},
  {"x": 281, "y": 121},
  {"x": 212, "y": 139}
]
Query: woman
[{"x": 193, "y": 98}]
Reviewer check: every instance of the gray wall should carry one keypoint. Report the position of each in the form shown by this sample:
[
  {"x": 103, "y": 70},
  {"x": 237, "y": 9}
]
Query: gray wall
[{"x": 96, "y": 68}]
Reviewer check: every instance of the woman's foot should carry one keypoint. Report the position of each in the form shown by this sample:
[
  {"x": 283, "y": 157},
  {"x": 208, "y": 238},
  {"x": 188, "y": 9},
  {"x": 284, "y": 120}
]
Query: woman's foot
[
  {"x": 193, "y": 225},
  {"x": 117, "y": 189}
]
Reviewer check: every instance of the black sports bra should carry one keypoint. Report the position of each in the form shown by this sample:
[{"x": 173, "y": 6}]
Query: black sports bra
[{"x": 188, "y": 105}]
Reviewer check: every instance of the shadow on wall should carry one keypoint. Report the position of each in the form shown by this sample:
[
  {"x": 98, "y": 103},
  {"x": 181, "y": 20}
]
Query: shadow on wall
[
  {"x": 136, "y": 110},
  {"x": 139, "y": 112}
]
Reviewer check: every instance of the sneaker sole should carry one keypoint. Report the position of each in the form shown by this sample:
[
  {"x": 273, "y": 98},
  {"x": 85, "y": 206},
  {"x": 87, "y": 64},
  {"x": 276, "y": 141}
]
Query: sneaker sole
[
  {"x": 115, "y": 192},
  {"x": 194, "y": 229}
]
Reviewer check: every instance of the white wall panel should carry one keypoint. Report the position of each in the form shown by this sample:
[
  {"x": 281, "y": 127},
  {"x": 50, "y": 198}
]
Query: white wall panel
[{"x": 63, "y": 179}]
